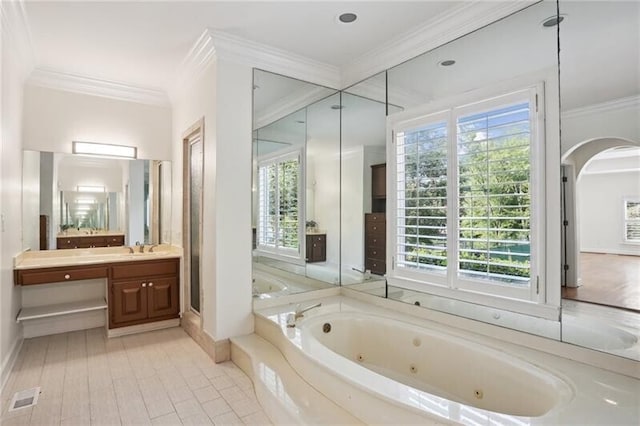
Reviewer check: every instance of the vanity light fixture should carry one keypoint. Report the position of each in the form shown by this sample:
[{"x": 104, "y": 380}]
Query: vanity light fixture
[
  {"x": 88, "y": 188},
  {"x": 105, "y": 150}
]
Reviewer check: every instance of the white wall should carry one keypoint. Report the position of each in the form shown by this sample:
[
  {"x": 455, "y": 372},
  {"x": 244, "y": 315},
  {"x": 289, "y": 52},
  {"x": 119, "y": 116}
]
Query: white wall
[
  {"x": 222, "y": 95},
  {"x": 593, "y": 123},
  {"x": 48, "y": 189},
  {"x": 55, "y": 118},
  {"x": 14, "y": 67},
  {"x": 600, "y": 208}
]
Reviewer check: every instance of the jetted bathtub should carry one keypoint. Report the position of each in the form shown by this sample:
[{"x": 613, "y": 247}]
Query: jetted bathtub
[{"x": 429, "y": 371}]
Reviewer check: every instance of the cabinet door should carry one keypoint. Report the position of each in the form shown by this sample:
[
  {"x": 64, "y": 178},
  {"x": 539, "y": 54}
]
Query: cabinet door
[
  {"x": 128, "y": 301},
  {"x": 163, "y": 297},
  {"x": 379, "y": 181}
]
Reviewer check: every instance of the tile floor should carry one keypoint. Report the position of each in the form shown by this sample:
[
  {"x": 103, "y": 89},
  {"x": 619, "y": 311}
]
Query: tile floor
[{"x": 160, "y": 378}]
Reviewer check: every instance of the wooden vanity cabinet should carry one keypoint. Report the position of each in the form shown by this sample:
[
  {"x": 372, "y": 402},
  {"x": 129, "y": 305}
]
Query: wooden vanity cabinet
[
  {"x": 375, "y": 243},
  {"x": 141, "y": 292}
]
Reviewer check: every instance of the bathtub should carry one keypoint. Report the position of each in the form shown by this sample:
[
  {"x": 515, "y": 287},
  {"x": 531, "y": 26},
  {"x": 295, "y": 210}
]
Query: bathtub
[
  {"x": 265, "y": 284},
  {"x": 386, "y": 367},
  {"x": 432, "y": 367}
]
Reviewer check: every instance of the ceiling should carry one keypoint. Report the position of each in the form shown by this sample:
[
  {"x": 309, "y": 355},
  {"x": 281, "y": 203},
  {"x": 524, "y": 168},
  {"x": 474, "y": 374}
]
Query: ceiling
[{"x": 143, "y": 43}]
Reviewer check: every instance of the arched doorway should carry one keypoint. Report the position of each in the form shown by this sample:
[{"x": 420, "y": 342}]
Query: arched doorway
[{"x": 601, "y": 189}]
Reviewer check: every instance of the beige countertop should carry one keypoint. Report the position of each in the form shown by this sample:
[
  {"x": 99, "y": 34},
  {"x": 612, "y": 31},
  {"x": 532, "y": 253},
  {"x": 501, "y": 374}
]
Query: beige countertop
[{"x": 91, "y": 256}]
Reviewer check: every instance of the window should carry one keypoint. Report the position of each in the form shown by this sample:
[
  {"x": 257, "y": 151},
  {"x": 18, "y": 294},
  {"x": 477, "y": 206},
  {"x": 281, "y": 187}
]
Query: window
[
  {"x": 464, "y": 203},
  {"x": 632, "y": 220},
  {"x": 279, "y": 226}
]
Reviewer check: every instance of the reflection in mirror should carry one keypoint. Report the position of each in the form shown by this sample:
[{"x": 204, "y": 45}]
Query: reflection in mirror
[
  {"x": 296, "y": 186},
  {"x": 600, "y": 98},
  {"x": 504, "y": 54},
  {"x": 72, "y": 201}
]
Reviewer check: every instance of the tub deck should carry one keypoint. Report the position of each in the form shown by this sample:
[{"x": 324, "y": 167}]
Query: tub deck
[{"x": 600, "y": 396}]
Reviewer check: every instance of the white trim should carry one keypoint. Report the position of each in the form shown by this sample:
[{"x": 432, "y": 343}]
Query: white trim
[
  {"x": 293, "y": 102},
  {"x": 15, "y": 26},
  {"x": 59, "y": 80},
  {"x": 602, "y": 250},
  {"x": 606, "y": 172},
  {"x": 630, "y": 102},
  {"x": 443, "y": 28},
  {"x": 140, "y": 328},
  {"x": 9, "y": 362},
  {"x": 214, "y": 44}
]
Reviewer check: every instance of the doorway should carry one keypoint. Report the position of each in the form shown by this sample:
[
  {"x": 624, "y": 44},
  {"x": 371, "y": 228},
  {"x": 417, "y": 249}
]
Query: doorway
[
  {"x": 193, "y": 168},
  {"x": 601, "y": 210}
]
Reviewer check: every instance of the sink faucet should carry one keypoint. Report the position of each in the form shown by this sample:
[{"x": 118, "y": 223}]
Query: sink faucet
[
  {"x": 299, "y": 313},
  {"x": 130, "y": 249},
  {"x": 152, "y": 247},
  {"x": 141, "y": 250}
]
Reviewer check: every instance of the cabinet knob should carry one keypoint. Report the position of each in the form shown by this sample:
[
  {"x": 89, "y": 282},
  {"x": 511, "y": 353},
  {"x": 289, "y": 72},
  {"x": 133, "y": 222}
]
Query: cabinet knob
[
  {"x": 144, "y": 284},
  {"x": 375, "y": 241},
  {"x": 375, "y": 252},
  {"x": 150, "y": 284},
  {"x": 315, "y": 245},
  {"x": 67, "y": 276},
  {"x": 375, "y": 227}
]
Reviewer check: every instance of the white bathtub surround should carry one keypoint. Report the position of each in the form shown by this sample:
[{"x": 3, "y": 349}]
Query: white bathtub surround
[
  {"x": 602, "y": 328},
  {"x": 270, "y": 282},
  {"x": 560, "y": 390},
  {"x": 283, "y": 394}
]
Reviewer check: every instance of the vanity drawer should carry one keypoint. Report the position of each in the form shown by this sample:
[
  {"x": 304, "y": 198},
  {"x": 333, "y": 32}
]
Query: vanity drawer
[
  {"x": 54, "y": 275},
  {"x": 114, "y": 241},
  {"x": 376, "y": 266},
  {"x": 145, "y": 269},
  {"x": 376, "y": 252},
  {"x": 377, "y": 228}
]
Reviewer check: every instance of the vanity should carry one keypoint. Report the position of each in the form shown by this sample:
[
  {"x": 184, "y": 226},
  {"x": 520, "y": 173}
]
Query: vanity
[
  {"x": 89, "y": 240},
  {"x": 125, "y": 290}
]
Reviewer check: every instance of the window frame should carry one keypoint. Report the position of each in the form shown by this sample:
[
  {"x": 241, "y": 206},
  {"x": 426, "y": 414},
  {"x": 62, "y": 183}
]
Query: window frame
[
  {"x": 276, "y": 252},
  {"x": 531, "y": 299}
]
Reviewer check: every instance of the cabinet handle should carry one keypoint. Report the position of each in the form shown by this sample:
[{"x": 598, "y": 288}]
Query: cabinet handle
[
  {"x": 67, "y": 276},
  {"x": 150, "y": 284},
  {"x": 144, "y": 284}
]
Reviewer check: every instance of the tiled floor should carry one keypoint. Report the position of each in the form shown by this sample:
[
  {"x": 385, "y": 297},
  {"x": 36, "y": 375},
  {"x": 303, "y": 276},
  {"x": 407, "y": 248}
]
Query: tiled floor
[{"x": 160, "y": 377}]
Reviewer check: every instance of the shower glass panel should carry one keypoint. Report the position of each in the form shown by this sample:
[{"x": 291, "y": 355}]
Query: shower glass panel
[{"x": 195, "y": 191}]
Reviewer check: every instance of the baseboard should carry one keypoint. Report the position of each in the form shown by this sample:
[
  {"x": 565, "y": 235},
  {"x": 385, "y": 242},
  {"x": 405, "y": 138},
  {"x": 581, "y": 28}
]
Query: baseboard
[
  {"x": 611, "y": 251},
  {"x": 218, "y": 351},
  {"x": 9, "y": 362},
  {"x": 63, "y": 324},
  {"x": 141, "y": 328}
]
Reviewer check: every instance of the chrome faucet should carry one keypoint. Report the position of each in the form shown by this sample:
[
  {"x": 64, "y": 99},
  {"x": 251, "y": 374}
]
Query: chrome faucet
[{"x": 299, "y": 313}]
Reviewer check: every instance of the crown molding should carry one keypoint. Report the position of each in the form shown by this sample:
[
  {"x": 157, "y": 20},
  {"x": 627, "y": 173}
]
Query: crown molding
[
  {"x": 443, "y": 28},
  {"x": 212, "y": 45},
  {"x": 630, "y": 102},
  {"x": 291, "y": 103},
  {"x": 15, "y": 28},
  {"x": 53, "y": 79}
]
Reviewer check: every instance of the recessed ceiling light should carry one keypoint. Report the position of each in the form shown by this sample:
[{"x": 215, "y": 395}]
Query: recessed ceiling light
[
  {"x": 347, "y": 18},
  {"x": 446, "y": 63},
  {"x": 552, "y": 21}
]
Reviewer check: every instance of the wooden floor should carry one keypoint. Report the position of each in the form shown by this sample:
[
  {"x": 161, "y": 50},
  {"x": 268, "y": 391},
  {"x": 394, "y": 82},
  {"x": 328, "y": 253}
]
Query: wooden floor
[{"x": 608, "y": 279}]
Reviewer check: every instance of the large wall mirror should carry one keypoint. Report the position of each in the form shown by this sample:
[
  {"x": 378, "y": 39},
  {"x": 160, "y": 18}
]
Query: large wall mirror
[
  {"x": 296, "y": 186},
  {"x": 492, "y": 57},
  {"x": 600, "y": 99},
  {"x": 72, "y": 201}
]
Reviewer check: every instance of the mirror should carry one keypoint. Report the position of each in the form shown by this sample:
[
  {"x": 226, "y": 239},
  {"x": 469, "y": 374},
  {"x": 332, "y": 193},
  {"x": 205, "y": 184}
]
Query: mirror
[
  {"x": 600, "y": 99},
  {"x": 72, "y": 201},
  {"x": 483, "y": 59},
  {"x": 296, "y": 186}
]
